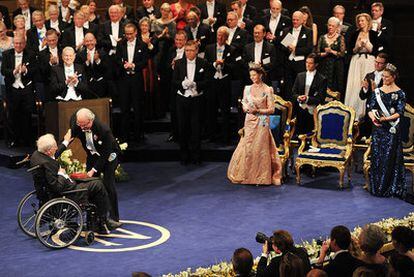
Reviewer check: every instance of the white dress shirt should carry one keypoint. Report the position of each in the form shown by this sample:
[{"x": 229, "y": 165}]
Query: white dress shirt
[
  {"x": 220, "y": 56},
  {"x": 376, "y": 23},
  {"x": 310, "y": 75},
  {"x": 70, "y": 93},
  {"x": 55, "y": 25},
  {"x": 194, "y": 31},
  {"x": 258, "y": 47},
  {"x": 131, "y": 50},
  {"x": 231, "y": 34},
  {"x": 274, "y": 21},
  {"x": 295, "y": 33},
  {"x": 64, "y": 12},
  {"x": 378, "y": 77},
  {"x": 18, "y": 59},
  {"x": 191, "y": 67},
  {"x": 92, "y": 54},
  {"x": 210, "y": 8},
  {"x": 89, "y": 143},
  {"x": 28, "y": 21},
  {"x": 54, "y": 53},
  {"x": 179, "y": 53},
  {"x": 115, "y": 31},
  {"x": 79, "y": 36}
]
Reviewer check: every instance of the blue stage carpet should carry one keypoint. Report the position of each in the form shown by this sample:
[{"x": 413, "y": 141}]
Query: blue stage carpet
[{"x": 206, "y": 216}]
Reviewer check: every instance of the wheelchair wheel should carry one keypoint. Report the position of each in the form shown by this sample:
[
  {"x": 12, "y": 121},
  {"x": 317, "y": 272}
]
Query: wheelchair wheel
[
  {"x": 26, "y": 213},
  {"x": 59, "y": 223}
]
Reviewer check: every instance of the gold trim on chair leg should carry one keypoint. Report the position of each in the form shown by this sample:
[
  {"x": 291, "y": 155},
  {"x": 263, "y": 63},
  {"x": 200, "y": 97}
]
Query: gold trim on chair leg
[
  {"x": 341, "y": 176},
  {"x": 349, "y": 169},
  {"x": 366, "y": 175},
  {"x": 297, "y": 167}
]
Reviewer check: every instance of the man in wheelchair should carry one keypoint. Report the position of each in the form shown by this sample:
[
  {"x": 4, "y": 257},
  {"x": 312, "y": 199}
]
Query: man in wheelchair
[{"x": 57, "y": 181}]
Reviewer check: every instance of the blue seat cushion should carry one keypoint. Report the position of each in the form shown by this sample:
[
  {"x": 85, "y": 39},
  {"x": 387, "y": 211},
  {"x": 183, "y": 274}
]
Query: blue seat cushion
[{"x": 326, "y": 154}]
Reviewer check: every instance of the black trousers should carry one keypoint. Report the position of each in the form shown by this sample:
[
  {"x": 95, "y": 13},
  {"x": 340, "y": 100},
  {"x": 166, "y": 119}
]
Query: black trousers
[
  {"x": 96, "y": 194},
  {"x": 218, "y": 97},
  {"x": 189, "y": 116},
  {"x": 304, "y": 120},
  {"x": 292, "y": 69},
  {"x": 131, "y": 94},
  {"x": 109, "y": 184},
  {"x": 20, "y": 106}
]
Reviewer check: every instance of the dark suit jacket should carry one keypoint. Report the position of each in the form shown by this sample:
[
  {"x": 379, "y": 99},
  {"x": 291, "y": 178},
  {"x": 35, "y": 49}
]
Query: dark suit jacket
[
  {"x": 385, "y": 36},
  {"x": 103, "y": 140},
  {"x": 19, "y": 11},
  {"x": 94, "y": 29},
  {"x": 272, "y": 270},
  {"x": 45, "y": 69},
  {"x": 304, "y": 45},
  {"x": 142, "y": 12},
  {"x": 6, "y": 18},
  {"x": 268, "y": 58},
  {"x": 343, "y": 265},
  {"x": 250, "y": 12},
  {"x": 211, "y": 57},
  {"x": 58, "y": 81},
  {"x": 106, "y": 31},
  {"x": 32, "y": 39},
  {"x": 219, "y": 13},
  {"x": 71, "y": 11},
  {"x": 240, "y": 39},
  {"x": 317, "y": 91},
  {"x": 284, "y": 22},
  {"x": 203, "y": 35},
  {"x": 180, "y": 72},
  {"x": 370, "y": 77},
  {"x": 8, "y": 66},
  {"x": 69, "y": 38},
  {"x": 140, "y": 57},
  {"x": 96, "y": 74},
  {"x": 47, "y": 174}
]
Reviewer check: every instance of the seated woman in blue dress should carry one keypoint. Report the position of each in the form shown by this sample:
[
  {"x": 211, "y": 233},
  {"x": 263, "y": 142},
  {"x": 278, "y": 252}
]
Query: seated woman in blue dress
[{"x": 386, "y": 106}]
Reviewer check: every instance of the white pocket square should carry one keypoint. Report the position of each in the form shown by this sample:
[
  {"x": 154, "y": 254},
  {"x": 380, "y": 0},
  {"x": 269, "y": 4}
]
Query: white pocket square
[
  {"x": 238, "y": 36},
  {"x": 203, "y": 37},
  {"x": 228, "y": 54},
  {"x": 139, "y": 51},
  {"x": 201, "y": 70},
  {"x": 383, "y": 28},
  {"x": 304, "y": 36}
]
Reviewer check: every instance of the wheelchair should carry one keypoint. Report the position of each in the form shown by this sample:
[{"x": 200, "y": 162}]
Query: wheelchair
[{"x": 56, "y": 220}]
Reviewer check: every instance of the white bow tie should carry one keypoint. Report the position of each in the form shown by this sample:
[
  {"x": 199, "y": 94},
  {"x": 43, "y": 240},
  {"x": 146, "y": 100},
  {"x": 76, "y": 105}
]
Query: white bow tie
[{"x": 191, "y": 62}]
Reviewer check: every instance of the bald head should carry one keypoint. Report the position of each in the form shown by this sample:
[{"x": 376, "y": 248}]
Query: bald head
[{"x": 85, "y": 118}]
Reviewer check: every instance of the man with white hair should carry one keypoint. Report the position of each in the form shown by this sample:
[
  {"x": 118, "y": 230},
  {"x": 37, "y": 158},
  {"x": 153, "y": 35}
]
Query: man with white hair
[
  {"x": 36, "y": 36},
  {"x": 73, "y": 36},
  {"x": 67, "y": 81},
  {"x": 102, "y": 153},
  {"x": 296, "y": 51},
  {"x": 57, "y": 181},
  {"x": 26, "y": 10},
  {"x": 220, "y": 57}
]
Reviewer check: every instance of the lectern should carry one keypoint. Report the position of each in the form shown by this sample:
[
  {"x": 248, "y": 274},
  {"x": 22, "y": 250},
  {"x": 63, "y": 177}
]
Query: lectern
[{"x": 57, "y": 117}]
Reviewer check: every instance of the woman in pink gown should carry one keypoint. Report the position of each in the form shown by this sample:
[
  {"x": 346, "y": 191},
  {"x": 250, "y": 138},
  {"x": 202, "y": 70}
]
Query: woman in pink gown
[
  {"x": 179, "y": 12},
  {"x": 256, "y": 160}
]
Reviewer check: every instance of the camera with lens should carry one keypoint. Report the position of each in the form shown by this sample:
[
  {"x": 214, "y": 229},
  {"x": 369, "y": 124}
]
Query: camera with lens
[{"x": 262, "y": 238}]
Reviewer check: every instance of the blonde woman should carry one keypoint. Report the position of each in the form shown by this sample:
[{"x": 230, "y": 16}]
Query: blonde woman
[{"x": 364, "y": 42}]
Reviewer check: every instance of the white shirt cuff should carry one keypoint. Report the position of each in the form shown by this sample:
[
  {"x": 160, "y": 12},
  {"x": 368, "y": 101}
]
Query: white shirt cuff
[{"x": 65, "y": 143}]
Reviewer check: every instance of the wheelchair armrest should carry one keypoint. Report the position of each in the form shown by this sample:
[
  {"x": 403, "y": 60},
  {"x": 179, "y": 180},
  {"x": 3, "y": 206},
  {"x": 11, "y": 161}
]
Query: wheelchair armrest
[{"x": 73, "y": 191}]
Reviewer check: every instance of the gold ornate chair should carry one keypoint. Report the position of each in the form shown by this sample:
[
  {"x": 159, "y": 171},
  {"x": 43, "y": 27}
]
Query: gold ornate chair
[
  {"x": 331, "y": 141},
  {"x": 407, "y": 137},
  {"x": 284, "y": 131}
]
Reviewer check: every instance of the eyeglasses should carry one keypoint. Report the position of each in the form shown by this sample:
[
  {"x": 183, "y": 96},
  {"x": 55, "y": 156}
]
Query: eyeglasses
[{"x": 83, "y": 125}]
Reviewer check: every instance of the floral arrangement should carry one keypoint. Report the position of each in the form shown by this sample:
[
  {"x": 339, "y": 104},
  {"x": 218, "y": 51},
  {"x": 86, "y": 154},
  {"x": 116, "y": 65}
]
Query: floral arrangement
[
  {"x": 225, "y": 269},
  {"x": 75, "y": 166}
]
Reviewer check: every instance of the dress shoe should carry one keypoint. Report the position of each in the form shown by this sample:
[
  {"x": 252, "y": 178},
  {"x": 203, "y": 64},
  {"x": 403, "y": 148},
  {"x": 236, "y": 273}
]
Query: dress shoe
[{"x": 112, "y": 224}]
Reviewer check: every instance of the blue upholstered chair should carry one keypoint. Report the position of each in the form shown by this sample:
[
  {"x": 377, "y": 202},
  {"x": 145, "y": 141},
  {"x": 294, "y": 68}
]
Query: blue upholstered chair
[
  {"x": 283, "y": 132},
  {"x": 331, "y": 142},
  {"x": 407, "y": 136}
]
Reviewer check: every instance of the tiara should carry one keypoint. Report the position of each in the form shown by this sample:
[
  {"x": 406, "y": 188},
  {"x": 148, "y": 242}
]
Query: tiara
[
  {"x": 253, "y": 65},
  {"x": 391, "y": 67}
]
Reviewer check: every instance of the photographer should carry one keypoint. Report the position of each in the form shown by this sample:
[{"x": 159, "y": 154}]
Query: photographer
[
  {"x": 281, "y": 243},
  {"x": 342, "y": 263}
]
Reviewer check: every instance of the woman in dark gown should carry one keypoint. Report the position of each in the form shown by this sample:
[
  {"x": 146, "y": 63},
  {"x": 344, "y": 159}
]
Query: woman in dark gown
[
  {"x": 331, "y": 49},
  {"x": 387, "y": 176}
]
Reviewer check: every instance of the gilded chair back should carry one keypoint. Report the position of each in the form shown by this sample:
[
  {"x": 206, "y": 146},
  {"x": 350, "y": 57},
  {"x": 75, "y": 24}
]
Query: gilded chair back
[
  {"x": 407, "y": 128},
  {"x": 333, "y": 124},
  {"x": 284, "y": 110}
]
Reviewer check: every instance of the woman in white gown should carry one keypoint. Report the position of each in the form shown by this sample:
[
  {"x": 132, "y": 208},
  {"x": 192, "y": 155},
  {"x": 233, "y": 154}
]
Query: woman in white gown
[{"x": 363, "y": 42}]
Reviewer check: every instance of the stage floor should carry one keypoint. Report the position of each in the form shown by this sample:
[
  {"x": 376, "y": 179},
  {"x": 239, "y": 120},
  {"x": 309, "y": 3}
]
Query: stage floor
[{"x": 180, "y": 217}]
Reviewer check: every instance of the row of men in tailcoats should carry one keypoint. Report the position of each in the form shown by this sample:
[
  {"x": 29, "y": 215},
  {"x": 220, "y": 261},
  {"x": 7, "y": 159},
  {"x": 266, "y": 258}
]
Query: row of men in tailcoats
[{"x": 266, "y": 49}]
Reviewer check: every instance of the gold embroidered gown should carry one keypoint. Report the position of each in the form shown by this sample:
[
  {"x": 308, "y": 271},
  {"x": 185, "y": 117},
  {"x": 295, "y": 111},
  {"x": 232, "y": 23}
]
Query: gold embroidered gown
[{"x": 256, "y": 160}]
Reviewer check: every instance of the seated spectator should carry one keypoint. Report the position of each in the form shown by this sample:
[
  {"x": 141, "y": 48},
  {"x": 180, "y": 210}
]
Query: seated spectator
[
  {"x": 371, "y": 240},
  {"x": 242, "y": 262},
  {"x": 316, "y": 272},
  {"x": 401, "y": 265},
  {"x": 403, "y": 241},
  {"x": 363, "y": 271},
  {"x": 291, "y": 266},
  {"x": 282, "y": 243},
  {"x": 343, "y": 263}
]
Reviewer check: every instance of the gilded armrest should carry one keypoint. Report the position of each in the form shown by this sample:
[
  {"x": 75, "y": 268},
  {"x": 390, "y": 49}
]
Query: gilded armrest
[
  {"x": 303, "y": 139},
  {"x": 348, "y": 147},
  {"x": 368, "y": 151}
]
